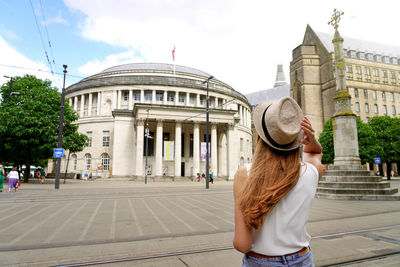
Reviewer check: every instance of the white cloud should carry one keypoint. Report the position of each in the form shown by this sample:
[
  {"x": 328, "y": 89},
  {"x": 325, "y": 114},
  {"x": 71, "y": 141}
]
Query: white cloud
[
  {"x": 57, "y": 20},
  {"x": 14, "y": 63},
  {"x": 239, "y": 42}
]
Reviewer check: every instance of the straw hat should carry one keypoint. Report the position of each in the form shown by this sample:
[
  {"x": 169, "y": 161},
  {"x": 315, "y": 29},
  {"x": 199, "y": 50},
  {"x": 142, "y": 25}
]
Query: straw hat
[{"x": 277, "y": 122}]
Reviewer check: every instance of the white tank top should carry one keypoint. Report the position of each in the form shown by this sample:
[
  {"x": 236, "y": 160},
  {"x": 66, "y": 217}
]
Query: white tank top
[{"x": 284, "y": 229}]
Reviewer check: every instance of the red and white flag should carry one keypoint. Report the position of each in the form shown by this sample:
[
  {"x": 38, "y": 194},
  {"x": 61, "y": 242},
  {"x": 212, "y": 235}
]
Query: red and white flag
[{"x": 173, "y": 54}]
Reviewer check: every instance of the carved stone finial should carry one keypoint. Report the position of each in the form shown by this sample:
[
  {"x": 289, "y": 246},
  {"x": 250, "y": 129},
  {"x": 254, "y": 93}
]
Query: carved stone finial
[{"x": 335, "y": 18}]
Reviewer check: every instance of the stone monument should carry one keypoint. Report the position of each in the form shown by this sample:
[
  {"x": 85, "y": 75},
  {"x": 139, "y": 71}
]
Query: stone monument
[{"x": 347, "y": 178}]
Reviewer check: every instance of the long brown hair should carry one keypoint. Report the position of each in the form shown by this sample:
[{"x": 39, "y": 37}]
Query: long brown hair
[{"x": 273, "y": 174}]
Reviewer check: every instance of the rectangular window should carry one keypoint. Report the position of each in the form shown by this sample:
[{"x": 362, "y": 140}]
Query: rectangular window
[
  {"x": 392, "y": 75},
  {"x": 393, "y": 110},
  {"x": 367, "y": 71},
  {"x": 170, "y": 97},
  {"x": 384, "y": 73},
  {"x": 358, "y": 69},
  {"x": 126, "y": 96},
  {"x": 374, "y": 94},
  {"x": 202, "y": 100},
  {"x": 365, "y": 93},
  {"x": 376, "y": 72},
  {"x": 357, "y": 107},
  {"x": 89, "y": 135},
  {"x": 384, "y": 109},
  {"x": 191, "y": 99},
  {"x": 383, "y": 96},
  {"x": 105, "y": 162},
  {"x": 376, "y": 108},
  {"x": 392, "y": 97},
  {"x": 366, "y": 108},
  {"x": 74, "y": 162},
  {"x": 148, "y": 96},
  {"x": 355, "y": 92},
  {"x": 159, "y": 96},
  {"x": 181, "y": 98},
  {"x": 106, "y": 138},
  {"x": 241, "y": 144},
  {"x": 137, "y": 96},
  {"x": 348, "y": 68}
]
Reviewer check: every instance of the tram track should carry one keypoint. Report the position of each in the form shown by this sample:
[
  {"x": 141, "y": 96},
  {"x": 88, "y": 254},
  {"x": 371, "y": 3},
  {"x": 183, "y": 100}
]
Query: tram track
[{"x": 223, "y": 248}]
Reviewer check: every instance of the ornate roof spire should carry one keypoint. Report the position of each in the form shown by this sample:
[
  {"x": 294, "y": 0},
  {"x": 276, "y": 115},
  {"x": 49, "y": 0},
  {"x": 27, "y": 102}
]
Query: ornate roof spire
[{"x": 280, "y": 77}]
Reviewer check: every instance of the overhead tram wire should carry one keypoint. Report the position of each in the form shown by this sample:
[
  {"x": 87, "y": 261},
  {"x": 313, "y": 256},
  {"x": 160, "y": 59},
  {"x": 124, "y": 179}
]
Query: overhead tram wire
[
  {"x": 41, "y": 38},
  {"x": 48, "y": 38}
]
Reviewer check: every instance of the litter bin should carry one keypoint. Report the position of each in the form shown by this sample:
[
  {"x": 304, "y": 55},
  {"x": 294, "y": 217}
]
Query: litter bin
[{"x": 78, "y": 176}]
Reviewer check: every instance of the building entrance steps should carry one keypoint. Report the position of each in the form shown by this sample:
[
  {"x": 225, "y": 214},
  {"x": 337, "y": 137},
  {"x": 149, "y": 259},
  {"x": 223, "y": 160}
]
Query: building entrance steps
[{"x": 354, "y": 182}]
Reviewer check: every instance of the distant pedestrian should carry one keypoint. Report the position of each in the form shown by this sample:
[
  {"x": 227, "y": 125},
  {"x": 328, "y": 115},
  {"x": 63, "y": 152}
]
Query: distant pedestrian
[
  {"x": 90, "y": 174},
  {"x": 203, "y": 176},
  {"x": 212, "y": 178},
  {"x": 13, "y": 179},
  {"x": 198, "y": 177},
  {"x": 42, "y": 175},
  {"x": 1, "y": 177},
  {"x": 392, "y": 173}
]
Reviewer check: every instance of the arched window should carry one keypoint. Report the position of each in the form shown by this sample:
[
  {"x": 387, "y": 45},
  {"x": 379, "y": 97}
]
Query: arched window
[
  {"x": 105, "y": 161},
  {"x": 241, "y": 161},
  {"x": 74, "y": 162},
  {"x": 88, "y": 162}
]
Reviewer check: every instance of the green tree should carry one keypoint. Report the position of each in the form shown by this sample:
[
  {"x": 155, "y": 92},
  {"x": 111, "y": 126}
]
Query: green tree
[
  {"x": 387, "y": 131},
  {"x": 367, "y": 146},
  {"x": 30, "y": 120}
]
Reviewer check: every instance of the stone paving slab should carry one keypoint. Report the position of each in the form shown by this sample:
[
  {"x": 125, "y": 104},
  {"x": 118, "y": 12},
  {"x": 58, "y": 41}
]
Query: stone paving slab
[{"x": 87, "y": 221}]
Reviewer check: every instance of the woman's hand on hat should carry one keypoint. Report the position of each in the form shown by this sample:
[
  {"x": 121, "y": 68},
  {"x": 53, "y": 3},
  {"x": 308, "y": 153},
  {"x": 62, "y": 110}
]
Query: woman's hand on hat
[{"x": 309, "y": 136}]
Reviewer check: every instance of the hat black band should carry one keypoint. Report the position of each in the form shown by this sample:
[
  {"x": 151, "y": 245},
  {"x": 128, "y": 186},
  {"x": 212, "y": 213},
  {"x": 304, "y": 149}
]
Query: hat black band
[{"x": 266, "y": 133}]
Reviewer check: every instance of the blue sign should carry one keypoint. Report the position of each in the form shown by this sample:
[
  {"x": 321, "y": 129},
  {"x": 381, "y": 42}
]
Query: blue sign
[
  {"x": 58, "y": 152},
  {"x": 378, "y": 160}
]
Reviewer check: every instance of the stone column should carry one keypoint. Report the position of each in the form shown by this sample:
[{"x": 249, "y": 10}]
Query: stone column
[
  {"x": 196, "y": 148},
  {"x": 159, "y": 140},
  {"x": 216, "y": 102},
  {"x": 345, "y": 138},
  {"x": 153, "y": 96},
  {"x": 187, "y": 99},
  {"x": 197, "y": 100},
  {"x": 139, "y": 147},
  {"x": 214, "y": 149},
  {"x": 165, "y": 98},
  {"x": 98, "y": 103},
  {"x": 130, "y": 99},
  {"x": 142, "y": 100},
  {"x": 76, "y": 103},
  {"x": 232, "y": 152},
  {"x": 70, "y": 102},
  {"x": 176, "y": 98},
  {"x": 240, "y": 114},
  {"x": 178, "y": 147},
  {"x": 82, "y": 105},
  {"x": 90, "y": 104},
  {"x": 119, "y": 99}
]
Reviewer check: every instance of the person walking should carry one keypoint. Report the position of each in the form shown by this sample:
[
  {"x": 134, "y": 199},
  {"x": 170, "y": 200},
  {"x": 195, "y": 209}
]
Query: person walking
[
  {"x": 1, "y": 177},
  {"x": 42, "y": 175},
  {"x": 13, "y": 179},
  {"x": 273, "y": 195}
]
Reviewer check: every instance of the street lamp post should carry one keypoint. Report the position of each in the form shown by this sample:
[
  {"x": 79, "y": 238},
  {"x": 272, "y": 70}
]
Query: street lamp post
[
  {"x": 147, "y": 136},
  {"x": 60, "y": 131},
  {"x": 207, "y": 137}
]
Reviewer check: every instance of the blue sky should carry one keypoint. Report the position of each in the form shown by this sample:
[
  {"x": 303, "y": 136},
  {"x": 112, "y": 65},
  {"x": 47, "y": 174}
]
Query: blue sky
[{"x": 239, "y": 42}]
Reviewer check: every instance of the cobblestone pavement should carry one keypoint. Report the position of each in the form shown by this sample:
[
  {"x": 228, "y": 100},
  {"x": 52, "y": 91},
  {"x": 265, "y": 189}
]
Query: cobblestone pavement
[{"x": 112, "y": 219}]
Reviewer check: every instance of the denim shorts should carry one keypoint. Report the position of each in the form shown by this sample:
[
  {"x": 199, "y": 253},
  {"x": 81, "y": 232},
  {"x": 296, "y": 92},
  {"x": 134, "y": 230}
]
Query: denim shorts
[{"x": 295, "y": 260}]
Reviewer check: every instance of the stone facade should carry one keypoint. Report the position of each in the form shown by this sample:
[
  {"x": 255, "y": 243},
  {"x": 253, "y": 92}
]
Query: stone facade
[
  {"x": 373, "y": 78},
  {"x": 116, "y": 105}
]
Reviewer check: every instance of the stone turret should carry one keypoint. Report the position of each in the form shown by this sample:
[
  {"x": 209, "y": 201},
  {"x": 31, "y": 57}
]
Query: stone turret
[{"x": 280, "y": 77}]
